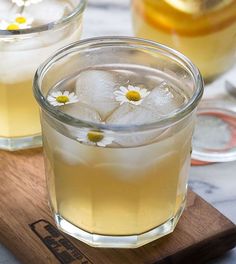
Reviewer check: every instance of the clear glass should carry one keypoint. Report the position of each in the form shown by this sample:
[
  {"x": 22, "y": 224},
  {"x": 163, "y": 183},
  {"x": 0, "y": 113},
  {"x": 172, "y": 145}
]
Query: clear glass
[
  {"x": 133, "y": 191},
  {"x": 21, "y": 52},
  {"x": 203, "y": 30}
]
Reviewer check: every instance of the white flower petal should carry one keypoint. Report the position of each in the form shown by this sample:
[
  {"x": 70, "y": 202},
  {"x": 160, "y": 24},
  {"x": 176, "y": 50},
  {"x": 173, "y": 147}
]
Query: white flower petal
[
  {"x": 83, "y": 131},
  {"x": 130, "y": 87},
  {"x": 144, "y": 94},
  {"x": 51, "y": 99},
  {"x": 82, "y": 134},
  {"x": 55, "y": 94},
  {"x": 70, "y": 102},
  {"x": 119, "y": 93},
  {"x": 55, "y": 103},
  {"x": 124, "y": 89},
  {"x": 136, "y": 89},
  {"x": 71, "y": 96},
  {"x": 120, "y": 98},
  {"x": 107, "y": 140},
  {"x": 137, "y": 102},
  {"x": 66, "y": 93},
  {"x": 74, "y": 98}
]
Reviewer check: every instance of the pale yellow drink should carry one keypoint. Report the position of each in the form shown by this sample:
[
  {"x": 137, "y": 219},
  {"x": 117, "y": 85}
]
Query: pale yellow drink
[
  {"x": 20, "y": 56},
  {"x": 117, "y": 120},
  {"x": 203, "y": 30},
  {"x": 118, "y": 191},
  {"x": 18, "y": 110}
]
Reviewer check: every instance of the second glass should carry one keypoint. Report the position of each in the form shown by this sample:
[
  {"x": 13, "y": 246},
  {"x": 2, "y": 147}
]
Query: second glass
[{"x": 28, "y": 35}]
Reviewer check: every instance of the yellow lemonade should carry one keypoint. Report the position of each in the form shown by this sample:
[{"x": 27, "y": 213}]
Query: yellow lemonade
[
  {"x": 19, "y": 112},
  {"x": 202, "y": 30},
  {"x": 118, "y": 191}
]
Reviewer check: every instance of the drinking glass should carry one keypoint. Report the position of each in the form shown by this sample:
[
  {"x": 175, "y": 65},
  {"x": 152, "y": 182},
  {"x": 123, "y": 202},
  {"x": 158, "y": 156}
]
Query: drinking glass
[
  {"x": 117, "y": 171},
  {"x": 29, "y": 33}
]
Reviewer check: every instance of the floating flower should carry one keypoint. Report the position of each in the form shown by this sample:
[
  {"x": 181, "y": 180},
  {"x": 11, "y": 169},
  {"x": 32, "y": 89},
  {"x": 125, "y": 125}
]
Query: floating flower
[
  {"x": 23, "y": 19},
  {"x": 131, "y": 94},
  {"x": 25, "y": 2},
  {"x": 4, "y": 25},
  {"x": 61, "y": 98},
  {"x": 94, "y": 137}
]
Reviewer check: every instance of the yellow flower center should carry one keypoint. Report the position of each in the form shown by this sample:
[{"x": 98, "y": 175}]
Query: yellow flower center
[
  {"x": 95, "y": 136},
  {"x": 133, "y": 96},
  {"x": 62, "y": 99},
  {"x": 13, "y": 27},
  {"x": 21, "y": 20}
]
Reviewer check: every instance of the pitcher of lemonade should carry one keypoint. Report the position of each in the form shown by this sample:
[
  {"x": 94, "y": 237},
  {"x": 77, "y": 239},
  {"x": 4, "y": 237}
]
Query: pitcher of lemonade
[{"x": 204, "y": 30}]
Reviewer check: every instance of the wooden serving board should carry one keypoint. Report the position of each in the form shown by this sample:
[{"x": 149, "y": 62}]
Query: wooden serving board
[{"x": 27, "y": 228}]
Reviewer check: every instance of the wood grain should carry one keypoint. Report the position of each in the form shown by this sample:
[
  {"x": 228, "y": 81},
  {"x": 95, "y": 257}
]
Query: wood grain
[{"x": 202, "y": 233}]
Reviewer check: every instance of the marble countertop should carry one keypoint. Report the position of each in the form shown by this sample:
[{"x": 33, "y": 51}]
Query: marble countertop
[{"x": 216, "y": 183}]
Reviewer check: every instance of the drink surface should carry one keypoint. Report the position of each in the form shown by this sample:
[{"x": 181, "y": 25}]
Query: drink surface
[
  {"x": 134, "y": 181},
  {"x": 20, "y": 56},
  {"x": 203, "y": 30}
]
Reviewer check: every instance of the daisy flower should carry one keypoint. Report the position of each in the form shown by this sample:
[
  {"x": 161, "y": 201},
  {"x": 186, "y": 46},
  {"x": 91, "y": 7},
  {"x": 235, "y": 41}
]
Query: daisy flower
[
  {"x": 4, "y": 25},
  {"x": 61, "y": 98},
  {"x": 22, "y": 19},
  {"x": 131, "y": 94},
  {"x": 25, "y": 2},
  {"x": 94, "y": 137}
]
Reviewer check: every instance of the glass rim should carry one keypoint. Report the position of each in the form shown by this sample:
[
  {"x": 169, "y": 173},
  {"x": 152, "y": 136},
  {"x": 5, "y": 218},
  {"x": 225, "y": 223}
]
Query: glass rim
[
  {"x": 169, "y": 119},
  {"x": 49, "y": 26}
]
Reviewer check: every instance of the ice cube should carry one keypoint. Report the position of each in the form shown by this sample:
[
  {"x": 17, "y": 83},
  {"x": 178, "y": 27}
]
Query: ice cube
[
  {"x": 128, "y": 114},
  {"x": 49, "y": 11},
  {"x": 135, "y": 139},
  {"x": 163, "y": 100},
  {"x": 81, "y": 111},
  {"x": 96, "y": 88}
]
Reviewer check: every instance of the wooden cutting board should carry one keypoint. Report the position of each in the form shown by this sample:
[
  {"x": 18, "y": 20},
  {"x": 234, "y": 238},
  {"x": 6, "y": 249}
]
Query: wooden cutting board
[{"x": 28, "y": 230}]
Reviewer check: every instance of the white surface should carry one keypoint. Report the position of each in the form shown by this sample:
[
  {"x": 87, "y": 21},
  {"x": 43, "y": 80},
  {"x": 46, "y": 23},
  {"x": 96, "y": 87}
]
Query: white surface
[{"x": 216, "y": 183}]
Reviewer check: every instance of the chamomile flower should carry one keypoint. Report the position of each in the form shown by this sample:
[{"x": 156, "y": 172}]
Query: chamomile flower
[
  {"x": 25, "y": 2},
  {"x": 94, "y": 137},
  {"x": 4, "y": 25},
  {"x": 61, "y": 98},
  {"x": 131, "y": 94},
  {"x": 23, "y": 19}
]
